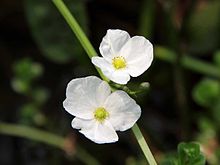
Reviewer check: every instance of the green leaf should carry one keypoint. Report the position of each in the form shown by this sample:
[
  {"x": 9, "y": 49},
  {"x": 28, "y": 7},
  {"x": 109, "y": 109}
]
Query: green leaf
[
  {"x": 50, "y": 31},
  {"x": 27, "y": 70},
  {"x": 203, "y": 28},
  {"x": 20, "y": 86},
  {"x": 206, "y": 92},
  {"x": 169, "y": 161},
  {"x": 189, "y": 154}
]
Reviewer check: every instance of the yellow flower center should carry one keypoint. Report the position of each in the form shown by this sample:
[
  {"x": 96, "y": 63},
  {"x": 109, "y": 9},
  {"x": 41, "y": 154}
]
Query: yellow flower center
[
  {"x": 119, "y": 62},
  {"x": 101, "y": 114}
]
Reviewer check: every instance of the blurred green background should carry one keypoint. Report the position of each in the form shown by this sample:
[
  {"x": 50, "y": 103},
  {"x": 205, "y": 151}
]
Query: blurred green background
[{"x": 40, "y": 55}]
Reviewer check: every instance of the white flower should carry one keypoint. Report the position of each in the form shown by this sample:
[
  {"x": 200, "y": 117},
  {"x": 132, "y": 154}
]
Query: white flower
[
  {"x": 98, "y": 112},
  {"x": 123, "y": 56}
]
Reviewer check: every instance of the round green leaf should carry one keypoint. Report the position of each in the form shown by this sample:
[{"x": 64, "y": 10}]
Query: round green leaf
[
  {"x": 206, "y": 92},
  {"x": 26, "y": 70}
]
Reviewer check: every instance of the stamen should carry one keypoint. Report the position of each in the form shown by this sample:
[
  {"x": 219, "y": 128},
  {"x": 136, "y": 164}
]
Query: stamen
[
  {"x": 119, "y": 62},
  {"x": 101, "y": 114}
]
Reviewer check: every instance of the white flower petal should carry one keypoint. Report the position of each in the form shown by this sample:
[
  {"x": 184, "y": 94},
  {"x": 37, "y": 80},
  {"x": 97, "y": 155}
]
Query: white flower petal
[
  {"x": 99, "y": 132},
  {"x": 87, "y": 127},
  {"x": 81, "y": 96},
  {"x": 105, "y": 133},
  {"x": 106, "y": 67},
  {"x": 79, "y": 123},
  {"x": 112, "y": 42},
  {"x": 123, "y": 110},
  {"x": 120, "y": 76},
  {"x": 102, "y": 92},
  {"x": 138, "y": 52},
  {"x": 102, "y": 63}
]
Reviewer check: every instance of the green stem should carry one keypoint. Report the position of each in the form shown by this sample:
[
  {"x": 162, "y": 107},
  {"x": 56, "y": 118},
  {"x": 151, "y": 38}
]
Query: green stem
[
  {"x": 75, "y": 28},
  {"x": 187, "y": 62},
  {"x": 91, "y": 52},
  {"x": 147, "y": 18},
  {"x": 45, "y": 137},
  {"x": 78, "y": 32},
  {"x": 143, "y": 145},
  {"x": 32, "y": 133}
]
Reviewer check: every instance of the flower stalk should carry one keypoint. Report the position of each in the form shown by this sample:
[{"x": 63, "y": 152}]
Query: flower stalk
[
  {"x": 91, "y": 53},
  {"x": 75, "y": 27},
  {"x": 187, "y": 61},
  {"x": 143, "y": 145}
]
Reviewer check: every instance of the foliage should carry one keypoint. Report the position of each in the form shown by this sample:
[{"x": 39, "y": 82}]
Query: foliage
[
  {"x": 183, "y": 101},
  {"x": 206, "y": 93},
  {"x": 188, "y": 154},
  {"x": 50, "y": 31},
  {"x": 26, "y": 72}
]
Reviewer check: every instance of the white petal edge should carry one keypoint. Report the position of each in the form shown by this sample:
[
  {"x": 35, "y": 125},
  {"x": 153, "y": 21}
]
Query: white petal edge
[
  {"x": 138, "y": 53},
  {"x": 97, "y": 132},
  {"x": 81, "y": 96},
  {"x": 120, "y": 76},
  {"x": 112, "y": 43},
  {"x": 79, "y": 123},
  {"x": 123, "y": 110}
]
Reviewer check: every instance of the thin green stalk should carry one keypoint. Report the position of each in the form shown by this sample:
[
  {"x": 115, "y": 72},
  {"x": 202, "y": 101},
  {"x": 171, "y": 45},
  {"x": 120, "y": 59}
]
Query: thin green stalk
[
  {"x": 45, "y": 137},
  {"x": 187, "y": 62},
  {"x": 78, "y": 32},
  {"x": 143, "y": 145},
  {"x": 32, "y": 133},
  {"x": 91, "y": 52},
  {"x": 75, "y": 28},
  {"x": 147, "y": 18}
]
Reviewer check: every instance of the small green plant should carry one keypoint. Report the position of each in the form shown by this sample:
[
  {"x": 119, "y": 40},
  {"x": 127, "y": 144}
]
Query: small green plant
[{"x": 187, "y": 154}]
